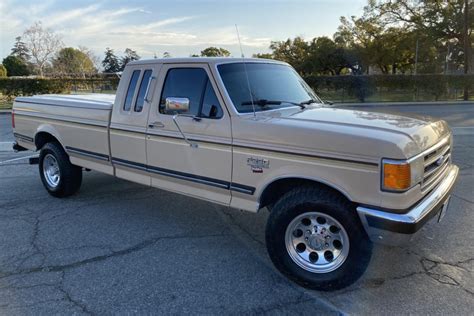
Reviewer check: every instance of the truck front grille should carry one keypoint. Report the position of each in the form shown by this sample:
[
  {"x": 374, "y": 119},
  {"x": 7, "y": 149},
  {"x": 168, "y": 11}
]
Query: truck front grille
[{"x": 436, "y": 163}]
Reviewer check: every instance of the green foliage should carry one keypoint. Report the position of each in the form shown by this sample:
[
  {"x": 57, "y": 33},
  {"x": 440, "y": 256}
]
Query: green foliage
[
  {"x": 72, "y": 62},
  {"x": 361, "y": 87},
  {"x": 130, "y": 55},
  {"x": 15, "y": 66},
  {"x": 20, "y": 50},
  {"x": 293, "y": 51},
  {"x": 110, "y": 63},
  {"x": 215, "y": 52},
  {"x": 3, "y": 71},
  {"x": 263, "y": 55},
  {"x": 12, "y": 87}
]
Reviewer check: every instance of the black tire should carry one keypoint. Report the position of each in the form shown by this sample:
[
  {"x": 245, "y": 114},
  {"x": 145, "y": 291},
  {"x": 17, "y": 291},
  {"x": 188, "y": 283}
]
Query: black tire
[
  {"x": 323, "y": 200},
  {"x": 70, "y": 175}
]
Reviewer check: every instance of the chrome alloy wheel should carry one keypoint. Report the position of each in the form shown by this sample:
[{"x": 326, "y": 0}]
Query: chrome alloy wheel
[
  {"x": 317, "y": 242},
  {"x": 51, "y": 170}
]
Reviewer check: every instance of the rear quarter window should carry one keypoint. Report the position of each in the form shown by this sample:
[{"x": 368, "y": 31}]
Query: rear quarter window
[
  {"x": 143, "y": 90},
  {"x": 131, "y": 90}
]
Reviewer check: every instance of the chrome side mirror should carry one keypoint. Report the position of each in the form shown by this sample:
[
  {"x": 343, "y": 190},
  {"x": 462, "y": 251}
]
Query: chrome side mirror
[{"x": 176, "y": 105}]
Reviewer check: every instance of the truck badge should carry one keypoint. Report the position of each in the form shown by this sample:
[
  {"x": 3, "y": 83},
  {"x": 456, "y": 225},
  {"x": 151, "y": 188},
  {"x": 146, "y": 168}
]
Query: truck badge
[{"x": 258, "y": 164}]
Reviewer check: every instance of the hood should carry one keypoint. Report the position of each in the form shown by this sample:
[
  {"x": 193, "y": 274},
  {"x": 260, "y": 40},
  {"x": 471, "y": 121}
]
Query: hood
[
  {"x": 352, "y": 132},
  {"x": 425, "y": 131}
]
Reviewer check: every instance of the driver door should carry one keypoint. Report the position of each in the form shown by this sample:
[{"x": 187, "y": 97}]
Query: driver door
[{"x": 202, "y": 169}]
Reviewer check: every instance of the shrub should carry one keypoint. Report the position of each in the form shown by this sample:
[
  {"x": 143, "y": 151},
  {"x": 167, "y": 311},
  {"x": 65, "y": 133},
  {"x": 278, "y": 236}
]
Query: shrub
[
  {"x": 363, "y": 86},
  {"x": 16, "y": 66},
  {"x": 3, "y": 71},
  {"x": 12, "y": 87}
]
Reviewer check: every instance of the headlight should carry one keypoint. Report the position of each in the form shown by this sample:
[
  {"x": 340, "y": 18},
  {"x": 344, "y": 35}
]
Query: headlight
[{"x": 401, "y": 175}]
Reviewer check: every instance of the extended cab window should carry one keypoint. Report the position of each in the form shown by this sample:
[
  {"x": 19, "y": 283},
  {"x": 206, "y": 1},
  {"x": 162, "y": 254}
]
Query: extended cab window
[
  {"x": 142, "y": 91},
  {"x": 193, "y": 84},
  {"x": 131, "y": 90}
]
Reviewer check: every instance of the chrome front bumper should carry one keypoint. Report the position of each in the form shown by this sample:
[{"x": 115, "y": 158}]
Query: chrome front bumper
[{"x": 394, "y": 229}]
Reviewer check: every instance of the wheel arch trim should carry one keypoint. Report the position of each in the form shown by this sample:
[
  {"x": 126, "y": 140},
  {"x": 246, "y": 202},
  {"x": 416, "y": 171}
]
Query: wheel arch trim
[
  {"x": 262, "y": 189},
  {"x": 47, "y": 129}
]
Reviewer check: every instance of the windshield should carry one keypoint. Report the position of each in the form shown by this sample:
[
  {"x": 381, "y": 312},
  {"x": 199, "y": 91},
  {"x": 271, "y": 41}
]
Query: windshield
[{"x": 272, "y": 86}]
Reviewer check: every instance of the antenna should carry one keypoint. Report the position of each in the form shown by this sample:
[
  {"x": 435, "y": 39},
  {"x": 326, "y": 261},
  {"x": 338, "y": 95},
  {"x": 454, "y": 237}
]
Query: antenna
[{"x": 245, "y": 70}]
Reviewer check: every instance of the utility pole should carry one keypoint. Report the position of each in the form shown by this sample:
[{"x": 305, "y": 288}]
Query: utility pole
[{"x": 467, "y": 46}]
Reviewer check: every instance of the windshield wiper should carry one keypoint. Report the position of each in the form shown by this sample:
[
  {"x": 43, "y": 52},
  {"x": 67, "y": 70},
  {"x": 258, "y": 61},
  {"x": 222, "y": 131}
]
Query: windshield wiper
[
  {"x": 310, "y": 101},
  {"x": 263, "y": 103}
]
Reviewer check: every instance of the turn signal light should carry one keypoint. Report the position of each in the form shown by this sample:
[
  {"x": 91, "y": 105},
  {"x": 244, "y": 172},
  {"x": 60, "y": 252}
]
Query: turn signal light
[{"x": 396, "y": 176}]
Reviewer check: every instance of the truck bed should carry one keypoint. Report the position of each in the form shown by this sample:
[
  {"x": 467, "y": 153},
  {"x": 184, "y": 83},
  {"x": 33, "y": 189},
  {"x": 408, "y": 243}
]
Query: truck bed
[
  {"x": 94, "y": 107},
  {"x": 79, "y": 122}
]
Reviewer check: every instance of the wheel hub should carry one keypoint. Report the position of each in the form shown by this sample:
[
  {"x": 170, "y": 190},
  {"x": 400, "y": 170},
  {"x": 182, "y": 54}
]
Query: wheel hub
[
  {"x": 51, "y": 170},
  {"x": 317, "y": 242}
]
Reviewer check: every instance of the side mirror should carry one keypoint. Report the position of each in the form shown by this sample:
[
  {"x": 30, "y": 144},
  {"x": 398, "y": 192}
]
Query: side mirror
[{"x": 176, "y": 105}]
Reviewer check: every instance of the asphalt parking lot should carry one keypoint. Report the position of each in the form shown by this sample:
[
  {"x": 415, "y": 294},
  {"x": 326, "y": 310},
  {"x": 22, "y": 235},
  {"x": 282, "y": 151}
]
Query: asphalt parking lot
[{"x": 118, "y": 247}]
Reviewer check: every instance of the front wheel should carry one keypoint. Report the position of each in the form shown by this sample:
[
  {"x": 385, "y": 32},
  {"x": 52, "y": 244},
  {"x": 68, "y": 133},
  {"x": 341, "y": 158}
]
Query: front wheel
[
  {"x": 315, "y": 238},
  {"x": 59, "y": 176}
]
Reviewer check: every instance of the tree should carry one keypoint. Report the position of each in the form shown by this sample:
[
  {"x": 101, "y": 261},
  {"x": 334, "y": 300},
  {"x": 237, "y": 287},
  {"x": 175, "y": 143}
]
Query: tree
[
  {"x": 71, "y": 61},
  {"x": 110, "y": 63},
  {"x": 326, "y": 57},
  {"x": 92, "y": 56},
  {"x": 42, "y": 44},
  {"x": 20, "y": 50},
  {"x": 3, "y": 71},
  {"x": 293, "y": 51},
  {"x": 130, "y": 55},
  {"x": 450, "y": 21},
  {"x": 15, "y": 66},
  {"x": 215, "y": 52},
  {"x": 263, "y": 55}
]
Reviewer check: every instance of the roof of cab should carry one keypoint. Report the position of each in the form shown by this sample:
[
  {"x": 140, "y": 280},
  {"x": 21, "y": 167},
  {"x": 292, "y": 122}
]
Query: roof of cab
[{"x": 208, "y": 60}]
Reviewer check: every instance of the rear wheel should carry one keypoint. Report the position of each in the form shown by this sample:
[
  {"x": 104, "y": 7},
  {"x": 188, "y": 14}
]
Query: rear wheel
[
  {"x": 59, "y": 176},
  {"x": 315, "y": 238}
]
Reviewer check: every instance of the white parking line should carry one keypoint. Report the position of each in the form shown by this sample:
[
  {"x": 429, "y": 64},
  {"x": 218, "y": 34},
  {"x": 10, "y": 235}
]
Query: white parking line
[{"x": 16, "y": 159}]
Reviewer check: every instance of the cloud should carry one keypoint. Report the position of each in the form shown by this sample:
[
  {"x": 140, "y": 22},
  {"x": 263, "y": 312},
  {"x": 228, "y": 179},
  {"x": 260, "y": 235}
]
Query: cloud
[{"x": 98, "y": 26}]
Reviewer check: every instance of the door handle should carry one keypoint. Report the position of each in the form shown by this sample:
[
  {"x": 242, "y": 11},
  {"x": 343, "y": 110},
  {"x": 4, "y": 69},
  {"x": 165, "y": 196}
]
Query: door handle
[{"x": 156, "y": 124}]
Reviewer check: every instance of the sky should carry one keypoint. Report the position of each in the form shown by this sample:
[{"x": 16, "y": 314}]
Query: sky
[{"x": 180, "y": 27}]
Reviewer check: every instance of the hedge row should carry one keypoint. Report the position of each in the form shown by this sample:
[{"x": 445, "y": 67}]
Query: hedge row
[
  {"x": 359, "y": 87},
  {"x": 12, "y": 87},
  {"x": 362, "y": 87}
]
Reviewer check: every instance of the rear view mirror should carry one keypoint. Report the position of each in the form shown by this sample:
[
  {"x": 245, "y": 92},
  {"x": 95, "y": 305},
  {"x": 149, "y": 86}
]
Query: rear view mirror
[{"x": 176, "y": 105}]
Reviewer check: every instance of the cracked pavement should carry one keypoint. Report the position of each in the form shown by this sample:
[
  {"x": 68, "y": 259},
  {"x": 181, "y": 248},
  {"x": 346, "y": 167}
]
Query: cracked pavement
[{"x": 119, "y": 247}]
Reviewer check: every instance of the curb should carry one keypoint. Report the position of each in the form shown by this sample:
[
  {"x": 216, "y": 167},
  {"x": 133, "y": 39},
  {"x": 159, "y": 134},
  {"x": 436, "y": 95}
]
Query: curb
[{"x": 382, "y": 104}]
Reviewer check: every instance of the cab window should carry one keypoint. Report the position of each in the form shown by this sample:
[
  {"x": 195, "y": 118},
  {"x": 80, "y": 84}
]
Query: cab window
[
  {"x": 143, "y": 90},
  {"x": 131, "y": 90},
  {"x": 193, "y": 84}
]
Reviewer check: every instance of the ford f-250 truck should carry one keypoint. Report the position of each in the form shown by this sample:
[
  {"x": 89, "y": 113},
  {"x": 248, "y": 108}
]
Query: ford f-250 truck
[{"x": 249, "y": 134}]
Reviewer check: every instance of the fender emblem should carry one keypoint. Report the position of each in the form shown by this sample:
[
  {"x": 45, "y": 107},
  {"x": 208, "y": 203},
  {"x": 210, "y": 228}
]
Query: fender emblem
[{"x": 258, "y": 164}]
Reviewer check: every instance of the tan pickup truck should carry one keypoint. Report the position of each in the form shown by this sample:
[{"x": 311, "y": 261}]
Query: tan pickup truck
[{"x": 250, "y": 134}]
